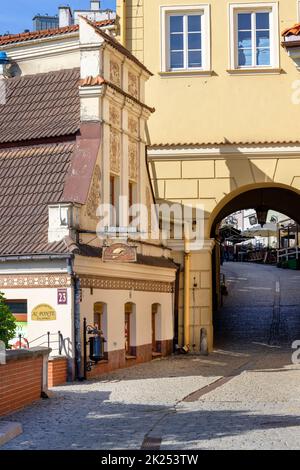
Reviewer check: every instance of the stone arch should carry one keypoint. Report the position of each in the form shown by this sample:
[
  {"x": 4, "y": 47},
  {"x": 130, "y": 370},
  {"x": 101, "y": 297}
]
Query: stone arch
[{"x": 280, "y": 197}]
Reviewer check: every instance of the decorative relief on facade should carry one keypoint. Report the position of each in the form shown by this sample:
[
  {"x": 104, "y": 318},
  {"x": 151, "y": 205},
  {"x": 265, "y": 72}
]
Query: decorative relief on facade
[
  {"x": 115, "y": 73},
  {"x": 132, "y": 160},
  {"x": 34, "y": 281},
  {"x": 133, "y": 126},
  {"x": 133, "y": 86},
  {"x": 94, "y": 196},
  {"x": 125, "y": 284},
  {"x": 115, "y": 151},
  {"x": 114, "y": 116}
]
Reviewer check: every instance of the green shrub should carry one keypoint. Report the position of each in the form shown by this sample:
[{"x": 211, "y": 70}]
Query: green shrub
[{"x": 7, "y": 322}]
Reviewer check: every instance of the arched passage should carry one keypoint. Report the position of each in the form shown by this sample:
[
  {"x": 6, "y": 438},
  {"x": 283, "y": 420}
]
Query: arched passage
[{"x": 282, "y": 199}]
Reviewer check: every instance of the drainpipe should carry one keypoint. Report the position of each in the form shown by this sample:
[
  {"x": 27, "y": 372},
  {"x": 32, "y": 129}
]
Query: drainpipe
[
  {"x": 186, "y": 313},
  {"x": 77, "y": 335},
  {"x": 123, "y": 23}
]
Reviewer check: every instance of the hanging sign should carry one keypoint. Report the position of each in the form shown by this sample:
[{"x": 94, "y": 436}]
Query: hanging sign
[{"x": 43, "y": 312}]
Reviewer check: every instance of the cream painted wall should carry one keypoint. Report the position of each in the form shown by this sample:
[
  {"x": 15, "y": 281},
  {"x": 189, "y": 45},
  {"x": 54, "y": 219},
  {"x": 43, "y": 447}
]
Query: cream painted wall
[
  {"x": 222, "y": 107},
  {"x": 63, "y": 322},
  {"x": 116, "y": 300}
]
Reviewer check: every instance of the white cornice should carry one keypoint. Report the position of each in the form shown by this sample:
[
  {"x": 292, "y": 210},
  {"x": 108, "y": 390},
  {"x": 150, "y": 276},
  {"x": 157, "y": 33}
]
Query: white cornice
[
  {"x": 43, "y": 48},
  {"x": 219, "y": 152}
]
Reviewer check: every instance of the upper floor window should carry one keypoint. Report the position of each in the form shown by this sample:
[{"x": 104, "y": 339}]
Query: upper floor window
[
  {"x": 185, "y": 39},
  {"x": 254, "y": 36}
]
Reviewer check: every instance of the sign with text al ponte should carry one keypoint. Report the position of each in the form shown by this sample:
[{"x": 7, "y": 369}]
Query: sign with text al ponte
[{"x": 43, "y": 312}]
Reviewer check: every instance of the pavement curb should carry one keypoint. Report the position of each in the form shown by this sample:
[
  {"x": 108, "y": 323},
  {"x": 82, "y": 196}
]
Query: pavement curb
[{"x": 8, "y": 431}]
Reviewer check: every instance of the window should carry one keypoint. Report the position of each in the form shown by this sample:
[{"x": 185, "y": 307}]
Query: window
[
  {"x": 114, "y": 189},
  {"x": 98, "y": 312},
  {"x": 185, "y": 39},
  {"x": 254, "y": 36},
  {"x": 18, "y": 308}
]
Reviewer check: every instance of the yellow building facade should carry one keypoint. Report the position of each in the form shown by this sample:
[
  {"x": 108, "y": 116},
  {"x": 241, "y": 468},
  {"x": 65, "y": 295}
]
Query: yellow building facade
[{"x": 226, "y": 131}]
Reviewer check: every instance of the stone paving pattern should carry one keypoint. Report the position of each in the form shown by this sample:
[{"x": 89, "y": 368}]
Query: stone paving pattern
[{"x": 258, "y": 407}]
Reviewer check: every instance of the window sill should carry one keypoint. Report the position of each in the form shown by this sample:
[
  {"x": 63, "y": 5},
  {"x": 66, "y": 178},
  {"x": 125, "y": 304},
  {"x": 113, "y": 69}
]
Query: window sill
[
  {"x": 255, "y": 71},
  {"x": 185, "y": 73}
]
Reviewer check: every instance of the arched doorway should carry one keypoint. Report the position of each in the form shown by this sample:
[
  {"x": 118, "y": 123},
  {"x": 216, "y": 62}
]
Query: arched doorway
[
  {"x": 100, "y": 319},
  {"x": 129, "y": 328},
  {"x": 261, "y": 309},
  {"x": 156, "y": 326}
]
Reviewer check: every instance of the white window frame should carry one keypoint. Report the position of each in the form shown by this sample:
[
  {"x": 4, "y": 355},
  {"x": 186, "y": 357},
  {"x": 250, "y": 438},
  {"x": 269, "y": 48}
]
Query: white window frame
[
  {"x": 234, "y": 9},
  {"x": 165, "y": 13}
]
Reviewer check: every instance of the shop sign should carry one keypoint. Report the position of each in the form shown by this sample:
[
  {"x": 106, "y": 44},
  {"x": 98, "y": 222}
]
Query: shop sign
[{"x": 43, "y": 312}]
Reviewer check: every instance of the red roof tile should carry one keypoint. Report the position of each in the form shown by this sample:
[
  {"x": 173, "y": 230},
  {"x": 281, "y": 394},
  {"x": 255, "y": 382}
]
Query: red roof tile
[
  {"x": 40, "y": 106},
  {"x": 293, "y": 31},
  {"x": 97, "y": 81},
  {"x": 32, "y": 35},
  {"x": 31, "y": 178}
]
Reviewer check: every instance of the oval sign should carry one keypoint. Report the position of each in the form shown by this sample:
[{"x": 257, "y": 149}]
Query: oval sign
[{"x": 43, "y": 312}]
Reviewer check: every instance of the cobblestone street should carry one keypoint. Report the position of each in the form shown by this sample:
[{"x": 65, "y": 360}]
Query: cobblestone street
[
  {"x": 179, "y": 403},
  {"x": 246, "y": 395}
]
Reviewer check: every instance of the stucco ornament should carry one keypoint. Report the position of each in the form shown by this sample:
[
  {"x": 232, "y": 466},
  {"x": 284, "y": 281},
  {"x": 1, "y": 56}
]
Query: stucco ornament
[
  {"x": 133, "y": 88},
  {"x": 114, "y": 116},
  {"x": 133, "y": 125},
  {"x": 115, "y": 150},
  {"x": 115, "y": 73},
  {"x": 94, "y": 196},
  {"x": 132, "y": 160}
]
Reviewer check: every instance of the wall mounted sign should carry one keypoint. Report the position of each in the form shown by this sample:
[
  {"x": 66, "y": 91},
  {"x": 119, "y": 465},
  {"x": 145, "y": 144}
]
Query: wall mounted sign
[
  {"x": 62, "y": 296},
  {"x": 119, "y": 253},
  {"x": 43, "y": 312}
]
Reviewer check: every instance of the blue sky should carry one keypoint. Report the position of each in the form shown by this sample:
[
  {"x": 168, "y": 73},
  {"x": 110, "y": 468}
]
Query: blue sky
[{"x": 16, "y": 15}]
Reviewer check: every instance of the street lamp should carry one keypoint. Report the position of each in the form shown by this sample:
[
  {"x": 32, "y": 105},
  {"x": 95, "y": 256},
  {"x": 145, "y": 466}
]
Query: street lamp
[{"x": 262, "y": 213}]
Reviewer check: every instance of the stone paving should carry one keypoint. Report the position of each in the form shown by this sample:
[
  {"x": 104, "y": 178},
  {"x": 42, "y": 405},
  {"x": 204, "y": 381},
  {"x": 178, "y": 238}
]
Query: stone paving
[
  {"x": 257, "y": 408},
  {"x": 246, "y": 396}
]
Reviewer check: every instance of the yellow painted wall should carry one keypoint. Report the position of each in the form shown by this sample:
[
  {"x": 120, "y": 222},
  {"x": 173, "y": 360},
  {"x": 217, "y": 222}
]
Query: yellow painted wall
[{"x": 222, "y": 106}]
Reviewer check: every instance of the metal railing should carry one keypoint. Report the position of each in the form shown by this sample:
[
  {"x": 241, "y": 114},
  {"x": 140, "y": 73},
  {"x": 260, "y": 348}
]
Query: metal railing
[
  {"x": 285, "y": 254},
  {"x": 55, "y": 344}
]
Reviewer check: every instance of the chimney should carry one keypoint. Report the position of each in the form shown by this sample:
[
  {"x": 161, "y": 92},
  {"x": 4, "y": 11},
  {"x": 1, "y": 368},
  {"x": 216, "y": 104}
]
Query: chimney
[
  {"x": 95, "y": 6},
  {"x": 65, "y": 16}
]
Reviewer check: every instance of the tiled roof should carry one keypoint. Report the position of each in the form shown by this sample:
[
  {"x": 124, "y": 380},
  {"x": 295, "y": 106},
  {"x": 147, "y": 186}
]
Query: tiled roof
[
  {"x": 32, "y": 35},
  {"x": 293, "y": 31},
  {"x": 40, "y": 106},
  {"x": 95, "y": 252},
  {"x": 222, "y": 143},
  {"x": 31, "y": 178},
  {"x": 98, "y": 81}
]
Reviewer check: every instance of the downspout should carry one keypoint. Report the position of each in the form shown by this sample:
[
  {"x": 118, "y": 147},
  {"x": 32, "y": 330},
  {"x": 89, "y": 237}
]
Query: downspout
[
  {"x": 186, "y": 312},
  {"x": 77, "y": 320},
  {"x": 123, "y": 23}
]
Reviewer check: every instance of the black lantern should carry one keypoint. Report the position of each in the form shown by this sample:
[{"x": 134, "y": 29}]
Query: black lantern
[{"x": 262, "y": 213}]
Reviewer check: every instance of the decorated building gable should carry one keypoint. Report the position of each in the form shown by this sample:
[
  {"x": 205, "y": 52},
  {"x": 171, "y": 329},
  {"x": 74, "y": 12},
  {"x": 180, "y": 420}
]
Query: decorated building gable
[{"x": 81, "y": 145}]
